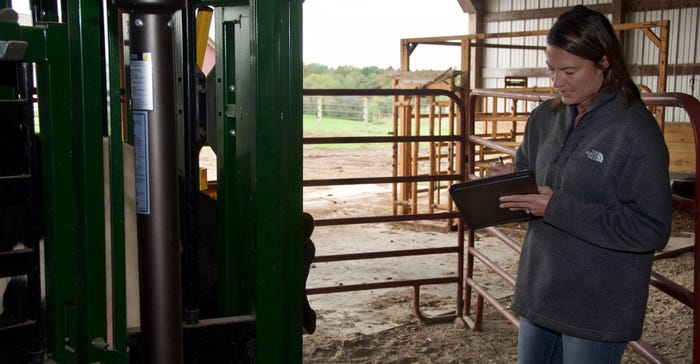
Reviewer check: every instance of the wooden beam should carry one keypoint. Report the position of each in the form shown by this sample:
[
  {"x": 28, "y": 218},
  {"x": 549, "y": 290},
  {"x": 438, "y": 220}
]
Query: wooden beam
[
  {"x": 518, "y": 72},
  {"x": 476, "y": 26},
  {"x": 618, "y": 17},
  {"x": 471, "y": 6},
  {"x": 618, "y": 11},
  {"x": 650, "y": 5},
  {"x": 539, "y": 13},
  {"x": 635, "y": 70},
  {"x": 671, "y": 69}
]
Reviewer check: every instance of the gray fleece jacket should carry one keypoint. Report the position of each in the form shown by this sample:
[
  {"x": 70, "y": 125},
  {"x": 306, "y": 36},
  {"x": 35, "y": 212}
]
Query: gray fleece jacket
[{"x": 585, "y": 266}]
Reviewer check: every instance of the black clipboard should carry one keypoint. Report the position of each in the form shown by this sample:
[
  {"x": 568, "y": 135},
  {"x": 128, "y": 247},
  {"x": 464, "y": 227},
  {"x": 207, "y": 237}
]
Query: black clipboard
[{"x": 477, "y": 200}]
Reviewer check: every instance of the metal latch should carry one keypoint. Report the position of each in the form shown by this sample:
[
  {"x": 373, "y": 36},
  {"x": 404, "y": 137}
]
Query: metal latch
[{"x": 12, "y": 50}]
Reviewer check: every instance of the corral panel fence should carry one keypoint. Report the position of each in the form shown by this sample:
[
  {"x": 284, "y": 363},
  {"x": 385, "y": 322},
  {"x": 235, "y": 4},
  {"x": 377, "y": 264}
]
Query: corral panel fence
[{"x": 366, "y": 109}]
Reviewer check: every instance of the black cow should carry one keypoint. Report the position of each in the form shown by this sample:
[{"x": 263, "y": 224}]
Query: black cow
[
  {"x": 309, "y": 315},
  {"x": 207, "y": 260}
]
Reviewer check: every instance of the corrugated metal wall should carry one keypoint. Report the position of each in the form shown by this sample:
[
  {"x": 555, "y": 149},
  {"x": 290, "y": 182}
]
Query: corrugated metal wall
[
  {"x": 497, "y": 60},
  {"x": 684, "y": 46}
]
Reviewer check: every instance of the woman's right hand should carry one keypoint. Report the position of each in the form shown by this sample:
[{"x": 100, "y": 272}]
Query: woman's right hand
[{"x": 499, "y": 168}]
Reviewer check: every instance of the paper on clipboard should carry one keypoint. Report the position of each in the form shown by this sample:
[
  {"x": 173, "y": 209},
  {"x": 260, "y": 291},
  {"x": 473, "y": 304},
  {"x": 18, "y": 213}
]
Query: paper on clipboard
[{"x": 477, "y": 200}]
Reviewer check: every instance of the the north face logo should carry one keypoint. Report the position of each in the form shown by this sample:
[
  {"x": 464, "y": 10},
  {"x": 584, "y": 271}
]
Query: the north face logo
[{"x": 595, "y": 155}]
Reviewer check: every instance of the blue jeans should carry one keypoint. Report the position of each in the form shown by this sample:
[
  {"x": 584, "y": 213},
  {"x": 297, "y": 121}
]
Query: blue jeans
[{"x": 537, "y": 345}]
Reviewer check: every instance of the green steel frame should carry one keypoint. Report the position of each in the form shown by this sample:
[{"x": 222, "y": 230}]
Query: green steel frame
[
  {"x": 88, "y": 116},
  {"x": 259, "y": 99},
  {"x": 71, "y": 117},
  {"x": 115, "y": 132}
]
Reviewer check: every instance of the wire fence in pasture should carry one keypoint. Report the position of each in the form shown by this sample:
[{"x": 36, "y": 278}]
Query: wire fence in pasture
[{"x": 365, "y": 109}]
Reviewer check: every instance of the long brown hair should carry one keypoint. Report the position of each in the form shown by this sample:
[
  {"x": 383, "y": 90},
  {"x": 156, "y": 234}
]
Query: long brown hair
[{"x": 588, "y": 34}]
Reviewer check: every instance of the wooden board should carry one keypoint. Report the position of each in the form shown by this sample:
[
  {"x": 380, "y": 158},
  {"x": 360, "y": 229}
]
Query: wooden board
[{"x": 681, "y": 146}]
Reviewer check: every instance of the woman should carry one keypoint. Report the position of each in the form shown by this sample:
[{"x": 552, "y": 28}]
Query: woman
[{"x": 604, "y": 205}]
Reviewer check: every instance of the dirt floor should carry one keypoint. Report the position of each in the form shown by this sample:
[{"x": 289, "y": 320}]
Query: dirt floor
[{"x": 379, "y": 325}]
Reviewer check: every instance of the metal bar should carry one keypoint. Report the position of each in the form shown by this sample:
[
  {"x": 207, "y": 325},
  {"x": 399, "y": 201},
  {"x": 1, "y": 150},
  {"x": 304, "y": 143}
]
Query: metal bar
[
  {"x": 449, "y": 316},
  {"x": 270, "y": 135},
  {"x": 469, "y": 268},
  {"x": 380, "y": 139},
  {"x": 379, "y": 180},
  {"x": 388, "y": 92},
  {"x": 491, "y": 144},
  {"x": 648, "y": 352},
  {"x": 683, "y": 203},
  {"x": 386, "y": 254},
  {"x": 33, "y": 206},
  {"x": 86, "y": 69},
  {"x": 469, "y": 38},
  {"x": 116, "y": 180},
  {"x": 190, "y": 268},
  {"x": 492, "y": 300},
  {"x": 58, "y": 184},
  {"x": 224, "y": 339},
  {"x": 381, "y": 285},
  {"x": 463, "y": 272},
  {"x": 461, "y": 176},
  {"x": 387, "y": 218},
  {"x": 492, "y": 265},
  {"x": 506, "y": 46},
  {"x": 672, "y": 289},
  {"x": 235, "y": 269},
  {"x": 504, "y": 238},
  {"x": 228, "y": 329},
  {"x": 156, "y": 186}
]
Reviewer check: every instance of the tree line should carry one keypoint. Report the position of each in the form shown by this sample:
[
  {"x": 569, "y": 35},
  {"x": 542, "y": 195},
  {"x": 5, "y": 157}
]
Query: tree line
[
  {"x": 368, "y": 108},
  {"x": 321, "y": 76}
]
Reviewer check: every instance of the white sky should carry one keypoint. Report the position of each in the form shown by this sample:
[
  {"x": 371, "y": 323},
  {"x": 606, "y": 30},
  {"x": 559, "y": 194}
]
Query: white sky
[
  {"x": 21, "y": 6},
  {"x": 364, "y": 33}
]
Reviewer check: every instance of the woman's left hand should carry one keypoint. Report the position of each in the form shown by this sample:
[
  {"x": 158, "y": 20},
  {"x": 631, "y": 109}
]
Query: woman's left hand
[{"x": 534, "y": 204}]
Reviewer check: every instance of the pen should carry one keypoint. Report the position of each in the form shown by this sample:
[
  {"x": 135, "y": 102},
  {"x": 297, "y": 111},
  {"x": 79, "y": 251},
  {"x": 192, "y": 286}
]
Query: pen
[{"x": 500, "y": 159}]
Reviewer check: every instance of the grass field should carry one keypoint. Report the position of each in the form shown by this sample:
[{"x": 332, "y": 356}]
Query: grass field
[
  {"x": 330, "y": 127},
  {"x": 343, "y": 127}
]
